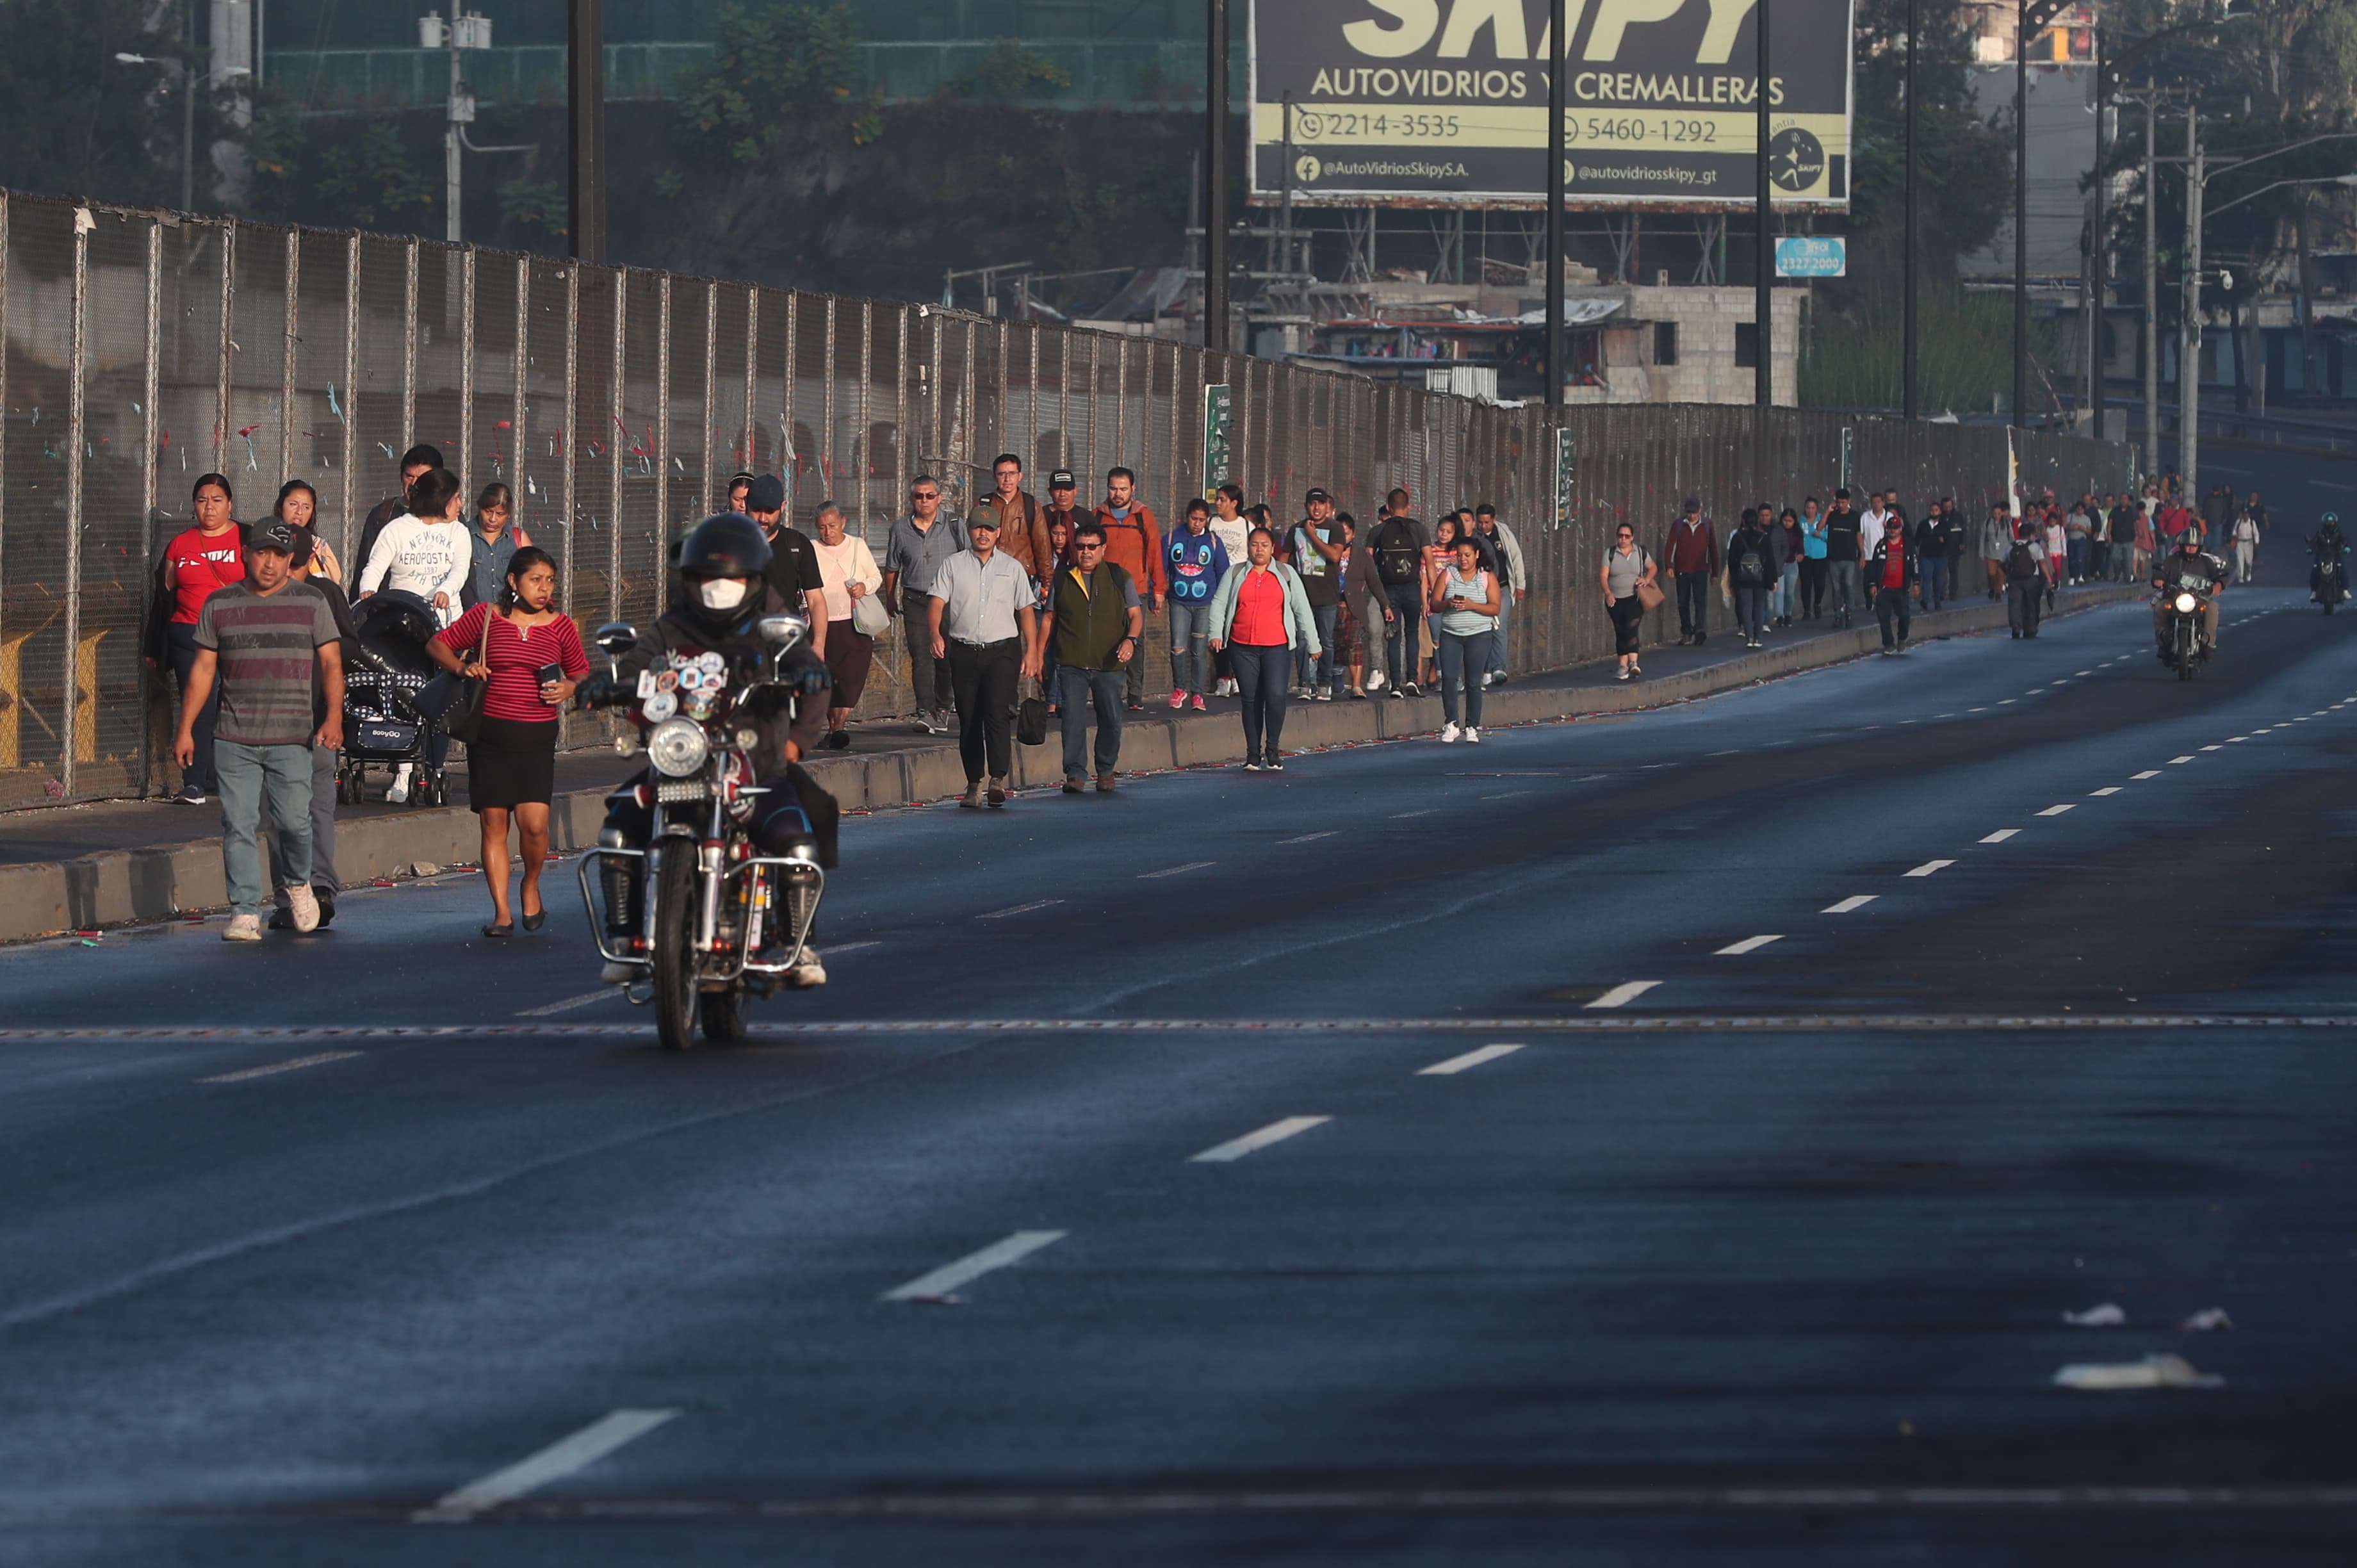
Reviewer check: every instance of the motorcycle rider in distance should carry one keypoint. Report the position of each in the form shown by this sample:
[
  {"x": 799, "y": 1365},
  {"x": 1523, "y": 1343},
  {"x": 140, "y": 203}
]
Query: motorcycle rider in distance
[
  {"x": 724, "y": 597},
  {"x": 2188, "y": 569},
  {"x": 2327, "y": 545}
]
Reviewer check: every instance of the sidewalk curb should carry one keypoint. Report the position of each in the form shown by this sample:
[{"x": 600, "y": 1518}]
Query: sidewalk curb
[{"x": 129, "y": 886}]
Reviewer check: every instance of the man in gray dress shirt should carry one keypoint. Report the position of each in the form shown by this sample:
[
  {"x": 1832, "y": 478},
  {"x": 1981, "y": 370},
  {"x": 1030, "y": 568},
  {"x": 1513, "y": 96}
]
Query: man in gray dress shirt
[{"x": 913, "y": 555}]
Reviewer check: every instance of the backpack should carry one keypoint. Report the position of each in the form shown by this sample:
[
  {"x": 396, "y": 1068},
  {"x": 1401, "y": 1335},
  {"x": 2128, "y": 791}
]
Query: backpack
[
  {"x": 2022, "y": 562},
  {"x": 1750, "y": 566},
  {"x": 1398, "y": 558}
]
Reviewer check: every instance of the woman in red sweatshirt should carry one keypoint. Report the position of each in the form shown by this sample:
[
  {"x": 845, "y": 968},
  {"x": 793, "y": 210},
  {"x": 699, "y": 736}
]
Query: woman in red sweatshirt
[{"x": 198, "y": 560}]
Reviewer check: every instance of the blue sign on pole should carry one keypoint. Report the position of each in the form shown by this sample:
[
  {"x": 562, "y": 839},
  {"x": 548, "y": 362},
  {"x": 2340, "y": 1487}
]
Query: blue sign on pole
[{"x": 1807, "y": 256}]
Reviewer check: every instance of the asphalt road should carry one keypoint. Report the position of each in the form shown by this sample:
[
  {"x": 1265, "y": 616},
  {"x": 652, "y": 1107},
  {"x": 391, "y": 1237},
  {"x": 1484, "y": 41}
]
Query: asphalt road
[{"x": 1557, "y": 1215}]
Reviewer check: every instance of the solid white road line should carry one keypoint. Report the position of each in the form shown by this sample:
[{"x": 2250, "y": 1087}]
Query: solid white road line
[
  {"x": 1748, "y": 944},
  {"x": 1456, "y": 1065},
  {"x": 2000, "y": 836},
  {"x": 1310, "y": 838},
  {"x": 551, "y": 1009},
  {"x": 2106, "y": 789},
  {"x": 2147, "y": 773},
  {"x": 297, "y": 1065},
  {"x": 1175, "y": 870},
  {"x": 1628, "y": 991},
  {"x": 1854, "y": 901},
  {"x": 1019, "y": 909},
  {"x": 2058, "y": 811},
  {"x": 1275, "y": 1133},
  {"x": 553, "y": 1463},
  {"x": 1929, "y": 866},
  {"x": 973, "y": 1265}
]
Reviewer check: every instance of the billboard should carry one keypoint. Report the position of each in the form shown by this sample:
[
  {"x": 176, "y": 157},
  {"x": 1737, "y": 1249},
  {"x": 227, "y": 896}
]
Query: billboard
[{"x": 1436, "y": 102}]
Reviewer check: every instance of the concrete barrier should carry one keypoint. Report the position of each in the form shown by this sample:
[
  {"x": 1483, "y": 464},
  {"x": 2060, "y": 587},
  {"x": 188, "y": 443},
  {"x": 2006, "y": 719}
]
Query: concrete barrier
[{"x": 124, "y": 886}]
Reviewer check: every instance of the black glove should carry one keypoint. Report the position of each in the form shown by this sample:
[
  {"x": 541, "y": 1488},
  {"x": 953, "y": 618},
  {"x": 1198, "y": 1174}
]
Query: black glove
[{"x": 596, "y": 691}]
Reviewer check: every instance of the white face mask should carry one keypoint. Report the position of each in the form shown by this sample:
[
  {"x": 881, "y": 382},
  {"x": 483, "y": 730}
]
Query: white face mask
[{"x": 722, "y": 593}]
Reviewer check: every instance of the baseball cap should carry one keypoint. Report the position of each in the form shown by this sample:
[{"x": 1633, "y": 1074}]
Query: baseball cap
[
  {"x": 985, "y": 518},
  {"x": 766, "y": 493},
  {"x": 1316, "y": 495},
  {"x": 1062, "y": 480},
  {"x": 275, "y": 536}
]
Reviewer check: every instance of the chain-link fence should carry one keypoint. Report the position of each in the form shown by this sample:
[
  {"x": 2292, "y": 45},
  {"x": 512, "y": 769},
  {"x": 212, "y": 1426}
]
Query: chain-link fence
[{"x": 140, "y": 350}]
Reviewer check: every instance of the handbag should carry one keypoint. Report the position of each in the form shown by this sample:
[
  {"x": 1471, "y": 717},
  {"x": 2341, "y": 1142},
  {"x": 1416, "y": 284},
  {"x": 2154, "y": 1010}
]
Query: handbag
[
  {"x": 1648, "y": 594},
  {"x": 462, "y": 718},
  {"x": 1031, "y": 714},
  {"x": 869, "y": 616}
]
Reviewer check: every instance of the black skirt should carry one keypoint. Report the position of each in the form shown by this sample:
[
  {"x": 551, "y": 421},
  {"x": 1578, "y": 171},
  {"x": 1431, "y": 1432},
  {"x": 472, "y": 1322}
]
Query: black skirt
[{"x": 511, "y": 762}]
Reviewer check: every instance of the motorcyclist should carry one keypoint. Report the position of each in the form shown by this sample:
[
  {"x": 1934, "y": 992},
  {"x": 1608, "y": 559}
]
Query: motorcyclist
[
  {"x": 724, "y": 595},
  {"x": 2189, "y": 568},
  {"x": 2325, "y": 544}
]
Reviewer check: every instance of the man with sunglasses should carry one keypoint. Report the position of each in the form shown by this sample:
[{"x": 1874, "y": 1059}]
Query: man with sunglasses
[
  {"x": 1095, "y": 621},
  {"x": 913, "y": 555}
]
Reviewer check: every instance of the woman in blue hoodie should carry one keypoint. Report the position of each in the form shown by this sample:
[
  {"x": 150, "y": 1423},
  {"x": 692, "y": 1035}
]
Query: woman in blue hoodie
[{"x": 1195, "y": 561}]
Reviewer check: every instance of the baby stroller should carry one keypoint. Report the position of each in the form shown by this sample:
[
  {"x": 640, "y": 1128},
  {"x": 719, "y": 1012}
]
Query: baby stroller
[{"x": 383, "y": 722}]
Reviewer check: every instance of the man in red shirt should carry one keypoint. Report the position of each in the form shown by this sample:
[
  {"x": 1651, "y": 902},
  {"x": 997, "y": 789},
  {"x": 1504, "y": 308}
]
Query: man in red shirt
[{"x": 1134, "y": 544}]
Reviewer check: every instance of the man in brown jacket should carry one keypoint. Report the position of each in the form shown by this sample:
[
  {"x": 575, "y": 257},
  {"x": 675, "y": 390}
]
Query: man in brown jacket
[
  {"x": 1134, "y": 544},
  {"x": 1015, "y": 512}
]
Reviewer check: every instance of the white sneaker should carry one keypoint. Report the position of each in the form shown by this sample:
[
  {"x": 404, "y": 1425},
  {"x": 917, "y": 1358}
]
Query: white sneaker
[
  {"x": 1326, "y": 695},
  {"x": 303, "y": 905},
  {"x": 248, "y": 927},
  {"x": 1375, "y": 680},
  {"x": 398, "y": 793},
  {"x": 807, "y": 973},
  {"x": 1473, "y": 736},
  {"x": 1448, "y": 734},
  {"x": 1485, "y": 678},
  {"x": 618, "y": 972}
]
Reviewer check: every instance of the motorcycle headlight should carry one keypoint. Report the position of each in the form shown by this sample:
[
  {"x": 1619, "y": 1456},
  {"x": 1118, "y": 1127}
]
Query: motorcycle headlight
[
  {"x": 2186, "y": 603},
  {"x": 677, "y": 747}
]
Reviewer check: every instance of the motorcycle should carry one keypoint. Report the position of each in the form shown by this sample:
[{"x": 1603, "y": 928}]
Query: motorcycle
[
  {"x": 705, "y": 894},
  {"x": 2330, "y": 581},
  {"x": 2185, "y": 649}
]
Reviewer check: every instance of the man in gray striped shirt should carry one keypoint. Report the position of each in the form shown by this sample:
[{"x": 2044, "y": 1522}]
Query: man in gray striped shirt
[{"x": 259, "y": 640}]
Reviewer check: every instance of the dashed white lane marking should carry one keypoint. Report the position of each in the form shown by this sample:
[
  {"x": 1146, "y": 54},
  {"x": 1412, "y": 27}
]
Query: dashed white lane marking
[
  {"x": 1507, "y": 795},
  {"x": 550, "y": 1009},
  {"x": 2007, "y": 701},
  {"x": 2213, "y": 748},
  {"x": 1748, "y": 944},
  {"x": 1311, "y": 838},
  {"x": 1854, "y": 901},
  {"x": 1929, "y": 866},
  {"x": 553, "y": 1463},
  {"x": 1402, "y": 816},
  {"x": 1175, "y": 870},
  {"x": 2236, "y": 739},
  {"x": 1020, "y": 909},
  {"x": 1731, "y": 751},
  {"x": 296, "y": 1065},
  {"x": 2086, "y": 671},
  {"x": 1621, "y": 995},
  {"x": 2106, "y": 789},
  {"x": 2147, "y": 773},
  {"x": 973, "y": 1265},
  {"x": 2175, "y": 760},
  {"x": 836, "y": 949},
  {"x": 1980, "y": 710},
  {"x": 2000, "y": 836},
  {"x": 2058, "y": 811},
  {"x": 1943, "y": 715},
  {"x": 1275, "y": 1133},
  {"x": 1456, "y": 1065}
]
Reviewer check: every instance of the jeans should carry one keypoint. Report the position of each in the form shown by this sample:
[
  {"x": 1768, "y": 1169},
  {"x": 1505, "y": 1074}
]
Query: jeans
[
  {"x": 1191, "y": 658},
  {"x": 928, "y": 677},
  {"x": 1936, "y": 580},
  {"x": 1497, "y": 665},
  {"x": 982, "y": 683},
  {"x": 1328, "y": 670},
  {"x": 1845, "y": 575},
  {"x": 1261, "y": 672},
  {"x": 1075, "y": 689},
  {"x": 1788, "y": 591},
  {"x": 200, "y": 774},
  {"x": 1460, "y": 670},
  {"x": 2075, "y": 548},
  {"x": 324, "y": 764},
  {"x": 1694, "y": 603},
  {"x": 1407, "y": 600},
  {"x": 1890, "y": 604},
  {"x": 1751, "y": 609},
  {"x": 248, "y": 775}
]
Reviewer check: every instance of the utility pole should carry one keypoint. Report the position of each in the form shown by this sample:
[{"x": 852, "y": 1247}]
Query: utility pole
[
  {"x": 453, "y": 171},
  {"x": 1215, "y": 181},
  {"x": 1763, "y": 288},
  {"x": 2097, "y": 260},
  {"x": 585, "y": 105},
  {"x": 2188, "y": 330},
  {"x": 2021, "y": 216},
  {"x": 1557, "y": 44},
  {"x": 1907, "y": 373},
  {"x": 2151, "y": 283}
]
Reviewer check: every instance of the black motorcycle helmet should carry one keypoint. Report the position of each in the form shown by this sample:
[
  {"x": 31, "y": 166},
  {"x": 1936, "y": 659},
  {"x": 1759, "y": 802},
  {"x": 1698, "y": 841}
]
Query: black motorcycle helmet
[
  {"x": 726, "y": 545},
  {"x": 2190, "y": 541}
]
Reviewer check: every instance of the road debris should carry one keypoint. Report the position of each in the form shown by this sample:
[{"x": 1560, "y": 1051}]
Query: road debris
[
  {"x": 2205, "y": 1320},
  {"x": 2152, "y": 1372},
  {"x": 2108, "y": 1316}
]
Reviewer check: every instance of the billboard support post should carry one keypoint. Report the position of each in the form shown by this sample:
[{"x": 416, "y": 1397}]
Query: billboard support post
[
  {"x": 1763, "y": 374},
  {"x": 1559, "y": 45},
  {"x": 1215, "y": 181},
  {"x": 1907, "y": 406}
]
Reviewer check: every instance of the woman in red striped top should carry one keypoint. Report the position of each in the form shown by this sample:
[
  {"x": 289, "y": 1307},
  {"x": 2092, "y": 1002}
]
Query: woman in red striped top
[{"x": 531, "y": 652}]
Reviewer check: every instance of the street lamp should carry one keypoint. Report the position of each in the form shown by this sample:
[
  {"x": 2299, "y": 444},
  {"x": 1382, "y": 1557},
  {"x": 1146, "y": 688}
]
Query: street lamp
[{"x": 187, "y": 115}]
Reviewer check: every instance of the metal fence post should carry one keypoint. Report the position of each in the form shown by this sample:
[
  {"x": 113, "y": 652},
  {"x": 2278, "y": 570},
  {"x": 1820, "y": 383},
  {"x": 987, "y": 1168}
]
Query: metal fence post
[
  {"x": 663, "y": 422},
  {"x": 752, "y": 379},
  {"x": 347, "y": 534},
  {"x": 706, "y": 435},
  {"x": 227, "y": 303},
  {"x": 828, "y": 463},
  {"x": 615, "y": 444},
  {"x": 568, "y": 426},
  {"x": 789, "y": 450},
  {"x": 148, "y": 458},
  {"x": 409, "y": 347},
  {"x": 77, "y": 737},
  {"x": 516, "y": 423},
  {"x": 290, "y": 345},
  {"x": 465, "y": 367}
]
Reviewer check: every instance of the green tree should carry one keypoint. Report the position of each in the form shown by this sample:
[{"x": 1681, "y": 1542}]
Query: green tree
[
  {"x": 782, "y": 82},
  {"x": 1008, "y": 69},
  {"x": 372, "y": 180}
]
